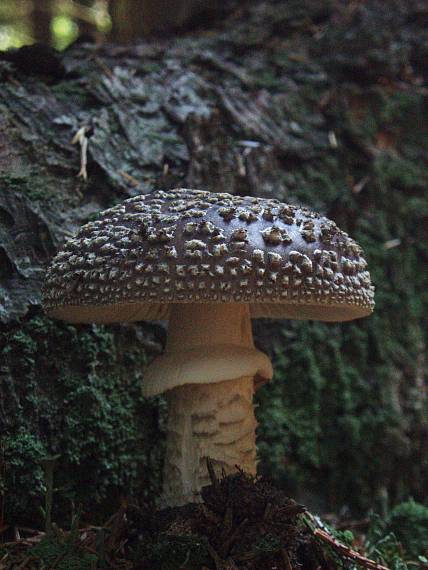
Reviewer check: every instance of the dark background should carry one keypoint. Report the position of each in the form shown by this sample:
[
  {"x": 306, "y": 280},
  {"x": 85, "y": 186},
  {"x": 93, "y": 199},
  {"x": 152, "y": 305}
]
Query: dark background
[{"x": 61, "y": 22}]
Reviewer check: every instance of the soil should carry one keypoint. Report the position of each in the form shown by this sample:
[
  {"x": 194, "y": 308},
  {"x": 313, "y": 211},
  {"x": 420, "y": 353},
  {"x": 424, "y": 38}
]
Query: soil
[{"x": 243, "y": 522}]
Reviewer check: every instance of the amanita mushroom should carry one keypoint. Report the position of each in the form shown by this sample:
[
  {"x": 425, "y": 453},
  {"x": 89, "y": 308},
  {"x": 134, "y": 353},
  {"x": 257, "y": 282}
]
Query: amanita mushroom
[{"x": 208, "y": 262}]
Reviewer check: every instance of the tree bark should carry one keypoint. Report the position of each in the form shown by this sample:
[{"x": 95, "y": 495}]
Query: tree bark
[
  {"x": 41, "y": 20},
  {"x": 126, "y": 18},
  {"x": 134, "y": 19}
]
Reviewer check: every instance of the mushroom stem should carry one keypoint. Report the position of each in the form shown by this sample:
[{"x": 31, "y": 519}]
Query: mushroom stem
[
  {"x": 207, "y": 324},
  {"x": 208, "y": 371},
  {"x": 206, "y": 344},
  {"x": 207, "y": 420}
]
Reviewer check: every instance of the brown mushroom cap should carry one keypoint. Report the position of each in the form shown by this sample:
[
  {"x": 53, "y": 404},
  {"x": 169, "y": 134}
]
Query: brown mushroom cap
[{"x": 191, "y": 246}]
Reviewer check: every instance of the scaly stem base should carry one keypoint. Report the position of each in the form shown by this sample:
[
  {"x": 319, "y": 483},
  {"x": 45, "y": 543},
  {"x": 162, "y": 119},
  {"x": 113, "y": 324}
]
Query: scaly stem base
[{"x": 213, "y": 421}]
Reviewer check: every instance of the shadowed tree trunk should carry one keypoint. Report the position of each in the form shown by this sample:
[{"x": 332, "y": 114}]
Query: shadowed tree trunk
[
  {"x": 87, "y": 28},
  {"x": 132, "y": 19},
  {"x": 127, "y": 21},
  {"x": 323, "y": 104},
  {"x": 41, "y": 20}
]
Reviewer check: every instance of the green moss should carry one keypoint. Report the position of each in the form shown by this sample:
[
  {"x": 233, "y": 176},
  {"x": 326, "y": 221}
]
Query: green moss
[
  {"x": 86, "y": 406},
  {"x": 409, "y": 522},
  {"x": 175, "y": 552},
  {"x": 32, "y": 186},
  {"x": 65, "y": 554},
  {"x": 331, "y": 423},
  {"x": 21, "y": 456}
]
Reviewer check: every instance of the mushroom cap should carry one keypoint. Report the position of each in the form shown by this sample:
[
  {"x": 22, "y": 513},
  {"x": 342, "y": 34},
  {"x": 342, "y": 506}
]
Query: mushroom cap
[{"x": 192, "y": 246}]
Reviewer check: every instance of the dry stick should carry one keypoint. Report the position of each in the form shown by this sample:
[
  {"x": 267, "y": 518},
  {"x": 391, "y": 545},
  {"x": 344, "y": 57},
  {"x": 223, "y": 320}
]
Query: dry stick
[
  {"x": 15, "y": 543},
  {"x": 133, "y": 181},
  {"x": 81, "y": 139},
  {"x": 291, "y": 510},
  {"x": 183, "y": 566},
  {"x": 212, "y": 474},
  {"x": 286, "y": 559},
  {"x": 348, "y": 552},
  {"x": 231, "y": 539},
  {"x": 103, "y": 66},
  {"x": 268, "y": 510}
]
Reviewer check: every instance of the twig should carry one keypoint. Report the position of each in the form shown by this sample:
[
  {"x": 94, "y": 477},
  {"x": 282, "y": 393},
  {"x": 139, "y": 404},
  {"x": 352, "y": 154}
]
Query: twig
[
  {"x": 103, "y": 66},
  {"x": 81, "y": 138},
  {"x": 348, "y": 552},
  {"x": 356, "y": 188},
  {"x": 183, "y": 566},
  {"x": 391, "y": 243},
  {"x": 29, "y": 530},
  {"x": 212, "y": 474},
  {"x": 267, "y": 512},
  {"x": 227, "y": 66},
  {"x": 129, "y": 178},
  {"x": 286, "y": 559},
  {"x": 225, "y": 547},
  {"x": 291, "y": 510}
]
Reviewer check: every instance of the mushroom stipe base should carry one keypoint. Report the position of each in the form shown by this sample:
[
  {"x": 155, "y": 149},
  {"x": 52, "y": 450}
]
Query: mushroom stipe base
[{"x": 213, "y": 421}]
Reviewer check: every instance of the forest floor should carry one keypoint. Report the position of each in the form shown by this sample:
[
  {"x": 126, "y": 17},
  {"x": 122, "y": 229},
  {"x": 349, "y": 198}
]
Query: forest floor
[{"x": 242, "y": 522}]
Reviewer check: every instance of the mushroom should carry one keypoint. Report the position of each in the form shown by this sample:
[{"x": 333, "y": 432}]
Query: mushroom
[{"x": 207, "y": 262}]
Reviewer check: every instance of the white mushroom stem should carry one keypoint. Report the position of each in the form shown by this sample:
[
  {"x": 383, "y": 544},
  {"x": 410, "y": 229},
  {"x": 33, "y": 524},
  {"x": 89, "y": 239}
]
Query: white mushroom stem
[
  {"x": 208, "y": 370},
  {"x": 207, "y": 420}
]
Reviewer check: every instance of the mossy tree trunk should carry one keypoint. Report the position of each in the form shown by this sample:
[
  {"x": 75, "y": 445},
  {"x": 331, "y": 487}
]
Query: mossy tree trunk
[{"x": 325, "y": 106}]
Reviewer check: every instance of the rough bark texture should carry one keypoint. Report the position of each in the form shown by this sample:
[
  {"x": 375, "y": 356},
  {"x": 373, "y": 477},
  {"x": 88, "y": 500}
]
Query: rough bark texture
[{"x": 323, "y": 104}]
